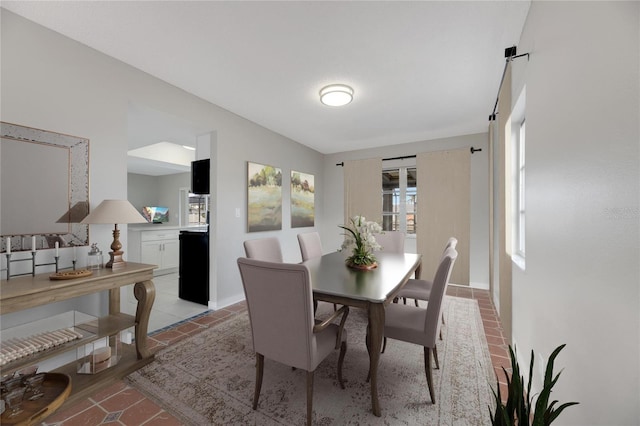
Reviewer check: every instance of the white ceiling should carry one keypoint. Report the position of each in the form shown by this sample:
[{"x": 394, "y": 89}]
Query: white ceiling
[{"x": 420, "y": 70}]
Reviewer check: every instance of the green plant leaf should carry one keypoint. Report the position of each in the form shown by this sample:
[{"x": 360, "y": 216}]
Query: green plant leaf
[{"x": 517, "y": 408}]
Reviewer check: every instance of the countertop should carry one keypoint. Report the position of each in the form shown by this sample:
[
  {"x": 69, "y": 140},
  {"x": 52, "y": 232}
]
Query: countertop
[{"x": 160, "y": 227}]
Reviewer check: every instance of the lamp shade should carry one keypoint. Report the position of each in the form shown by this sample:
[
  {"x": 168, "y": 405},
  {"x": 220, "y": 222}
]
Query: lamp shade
[{"x": 114, "y": 211}]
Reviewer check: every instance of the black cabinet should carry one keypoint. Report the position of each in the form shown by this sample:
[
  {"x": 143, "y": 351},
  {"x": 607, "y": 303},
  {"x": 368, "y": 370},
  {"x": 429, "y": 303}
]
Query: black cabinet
[{"x": 194, "y": 267}]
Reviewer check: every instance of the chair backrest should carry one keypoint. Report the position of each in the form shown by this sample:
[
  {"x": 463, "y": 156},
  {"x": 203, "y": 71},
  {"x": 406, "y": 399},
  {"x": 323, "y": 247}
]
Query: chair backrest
[
  {"x": 280, "y": 305},
  {"x": 391, "y": 241},
  {"x": 453, "y": 242},
  {"x": 267, "y": 249},
  {"x": 438, "y": 289},
  {"x": 310, "y": 245}
]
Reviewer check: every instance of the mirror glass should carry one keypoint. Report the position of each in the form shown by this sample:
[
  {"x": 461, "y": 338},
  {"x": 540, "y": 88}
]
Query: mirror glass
[{"x": 44, "y": 183}]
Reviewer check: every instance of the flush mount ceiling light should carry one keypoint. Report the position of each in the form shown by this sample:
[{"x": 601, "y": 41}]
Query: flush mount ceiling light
[{"x": 336, "y": 95}]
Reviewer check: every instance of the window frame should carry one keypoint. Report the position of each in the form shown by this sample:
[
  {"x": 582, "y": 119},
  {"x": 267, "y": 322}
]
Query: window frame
[
  {"x": 185, "y": 205},
  {"x": 518, "y": 182},
  {"x": 401, "y": 214}
]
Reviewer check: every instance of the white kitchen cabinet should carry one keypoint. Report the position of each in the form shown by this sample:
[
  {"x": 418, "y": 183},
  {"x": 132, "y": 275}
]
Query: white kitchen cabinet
[{"x": 156, "y": 247}]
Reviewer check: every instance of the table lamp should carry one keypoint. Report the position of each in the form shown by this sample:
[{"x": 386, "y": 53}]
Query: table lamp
[{"x": 114, "y": 211}]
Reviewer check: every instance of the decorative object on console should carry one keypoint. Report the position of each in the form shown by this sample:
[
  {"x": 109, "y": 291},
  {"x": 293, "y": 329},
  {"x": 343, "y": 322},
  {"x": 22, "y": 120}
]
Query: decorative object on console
[
  {"x": 17, "y": 348},
  {"x": 114, "y": 211},
  {"x": 99, "y": 355},
  {"x": 34, "y": 265},
  {"x": 69, "y": 275},
  {"x": 360, "y": 240},
  {"x": 94, "y": 257}
]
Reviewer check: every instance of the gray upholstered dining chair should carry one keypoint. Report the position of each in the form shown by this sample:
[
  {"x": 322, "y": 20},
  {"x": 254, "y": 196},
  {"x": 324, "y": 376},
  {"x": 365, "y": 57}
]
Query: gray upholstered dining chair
[
  {"x": 419, "y": 325},
  {"x": 267, "y": 249},
  {"x": 391, "y": 241},
  {"x": 420, "y": 289},
  {"x": 280, "y": 305},
  {"x": 310, "y": 245}
]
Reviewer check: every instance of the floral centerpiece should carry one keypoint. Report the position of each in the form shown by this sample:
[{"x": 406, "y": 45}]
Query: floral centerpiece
[{"x": 360, "y": 239}]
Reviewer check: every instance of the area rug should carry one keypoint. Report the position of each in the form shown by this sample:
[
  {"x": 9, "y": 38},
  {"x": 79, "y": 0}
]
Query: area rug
[{"x": 209, "y": 378}]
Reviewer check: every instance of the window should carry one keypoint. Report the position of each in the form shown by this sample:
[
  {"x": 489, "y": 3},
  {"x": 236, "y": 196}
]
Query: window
[
  {"x": 517, "y": 181},
  {"x": 198, "y": 208},
  {"x": 193, "y": 208},
  {"x": 519, "y": 192},
  {"x": 399, "y": 196}
]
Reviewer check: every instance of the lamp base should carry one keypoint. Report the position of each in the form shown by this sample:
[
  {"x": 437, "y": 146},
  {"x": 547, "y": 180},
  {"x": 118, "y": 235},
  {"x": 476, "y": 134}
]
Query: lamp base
[{"x": 115, "y": 260}]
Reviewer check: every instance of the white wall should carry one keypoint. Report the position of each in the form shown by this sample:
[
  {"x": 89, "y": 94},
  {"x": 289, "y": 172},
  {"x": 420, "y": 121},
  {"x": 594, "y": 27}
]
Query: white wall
[
  {"x": 51, "y": 82},
  {"x": 581, "y": 283},
  {"x": 236, "y": 146},
  {"x": 143, "y": 190},
  {"x": 333, "y": 213}
]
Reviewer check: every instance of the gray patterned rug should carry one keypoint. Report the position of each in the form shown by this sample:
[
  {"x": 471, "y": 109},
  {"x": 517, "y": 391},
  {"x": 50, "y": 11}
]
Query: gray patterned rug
[{"x": 209, "y": 378}]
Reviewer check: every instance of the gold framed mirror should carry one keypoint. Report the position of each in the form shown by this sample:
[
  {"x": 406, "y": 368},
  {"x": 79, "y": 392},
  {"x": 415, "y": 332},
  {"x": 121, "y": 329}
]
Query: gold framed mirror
[{"x": 44, "y": 188}]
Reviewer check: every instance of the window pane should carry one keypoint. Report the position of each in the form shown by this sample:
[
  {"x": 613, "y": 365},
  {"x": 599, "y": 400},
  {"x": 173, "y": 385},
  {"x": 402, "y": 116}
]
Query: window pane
[
  {"x": 399, "y": 197},
  {"x": 411, "y": 200},
  {"x": 197, "y": 209},
  {"x": 390, "y": 199}
]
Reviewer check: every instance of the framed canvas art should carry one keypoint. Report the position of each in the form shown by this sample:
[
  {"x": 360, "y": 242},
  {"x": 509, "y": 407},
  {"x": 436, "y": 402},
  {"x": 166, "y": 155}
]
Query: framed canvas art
[
  {"x": 264, "y": 198},
  {"x": 302, "y": 200}
]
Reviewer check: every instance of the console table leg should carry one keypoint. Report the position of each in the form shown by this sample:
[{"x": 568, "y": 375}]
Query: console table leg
[
  {"x": 114, "y": 301},
  {"x": 145, "y": 293}
]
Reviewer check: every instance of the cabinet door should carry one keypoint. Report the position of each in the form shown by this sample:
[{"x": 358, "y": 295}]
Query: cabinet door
[
  {"x": 170, "y": 254},
  {"x": 150, "y": 253}
]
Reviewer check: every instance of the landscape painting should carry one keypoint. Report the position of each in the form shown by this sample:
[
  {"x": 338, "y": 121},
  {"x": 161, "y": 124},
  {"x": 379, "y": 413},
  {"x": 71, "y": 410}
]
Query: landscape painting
[
  {"x": 302, "y": 200},
  {"x": 264, "y": 198}
]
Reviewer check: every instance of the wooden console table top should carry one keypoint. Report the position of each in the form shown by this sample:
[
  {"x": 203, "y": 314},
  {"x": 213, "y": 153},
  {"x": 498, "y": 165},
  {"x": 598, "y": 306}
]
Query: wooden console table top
[{"x": 26, "y": 292}]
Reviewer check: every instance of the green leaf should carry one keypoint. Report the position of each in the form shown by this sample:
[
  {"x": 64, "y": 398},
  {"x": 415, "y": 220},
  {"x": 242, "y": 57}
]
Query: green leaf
[{"x": 517, "y": 408}]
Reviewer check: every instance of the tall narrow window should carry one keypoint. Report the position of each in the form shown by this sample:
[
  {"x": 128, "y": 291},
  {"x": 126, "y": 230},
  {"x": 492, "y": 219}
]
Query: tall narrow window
[
  {"x": 399, "y": 199},
  {"x": 519, "y": 189}
]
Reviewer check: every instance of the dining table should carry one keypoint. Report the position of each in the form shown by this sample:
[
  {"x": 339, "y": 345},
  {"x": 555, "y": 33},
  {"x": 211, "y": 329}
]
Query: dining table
[{"x": 335, "y": 282}]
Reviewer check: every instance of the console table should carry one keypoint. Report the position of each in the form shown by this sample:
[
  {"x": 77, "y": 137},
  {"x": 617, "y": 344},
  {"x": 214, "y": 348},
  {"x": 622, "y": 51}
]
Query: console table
[{"x": 31, "y": 291}]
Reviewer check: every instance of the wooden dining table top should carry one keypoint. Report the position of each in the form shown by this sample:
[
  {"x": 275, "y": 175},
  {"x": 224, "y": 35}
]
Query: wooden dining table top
[{"x": 331, "y": 276}]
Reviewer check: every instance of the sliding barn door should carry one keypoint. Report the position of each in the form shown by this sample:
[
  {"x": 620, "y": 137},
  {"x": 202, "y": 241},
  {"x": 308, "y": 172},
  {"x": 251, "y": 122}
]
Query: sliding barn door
[{"x": 444, "y": 209}]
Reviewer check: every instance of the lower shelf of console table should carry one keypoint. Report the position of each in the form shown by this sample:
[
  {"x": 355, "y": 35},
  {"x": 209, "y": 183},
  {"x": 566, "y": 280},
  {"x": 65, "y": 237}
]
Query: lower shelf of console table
[{"x": 84, "y": 385}]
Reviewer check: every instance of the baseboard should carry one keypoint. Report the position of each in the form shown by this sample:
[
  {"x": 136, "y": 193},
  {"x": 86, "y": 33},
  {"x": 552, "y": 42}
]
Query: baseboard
[
  {"x": 219, "y": 304},
  {"x": 479, "y": 286}
]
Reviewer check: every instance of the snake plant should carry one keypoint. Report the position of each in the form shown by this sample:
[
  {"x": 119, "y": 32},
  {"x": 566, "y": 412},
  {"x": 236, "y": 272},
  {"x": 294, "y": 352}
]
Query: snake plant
[{"x": 517, "y": 409}]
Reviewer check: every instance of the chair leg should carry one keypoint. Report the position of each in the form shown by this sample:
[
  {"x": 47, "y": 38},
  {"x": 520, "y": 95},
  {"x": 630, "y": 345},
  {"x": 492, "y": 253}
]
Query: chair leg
[
  {"x": 440, "y": 334},
  {"x": 259, "y": 371},
  {"x": 416, "y": 302},
  {"x": 435, "y": 357},
  {"x": 309, "y": 397},
  {"x": 343, "y": 351},
  {"x": 384, "y": 344},
  {"x": 427, "y": 369}
]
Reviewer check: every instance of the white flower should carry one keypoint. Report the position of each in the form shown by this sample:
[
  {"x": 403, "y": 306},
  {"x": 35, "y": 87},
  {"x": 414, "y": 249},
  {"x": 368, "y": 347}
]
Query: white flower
[{"x": 365, "y": 230}]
